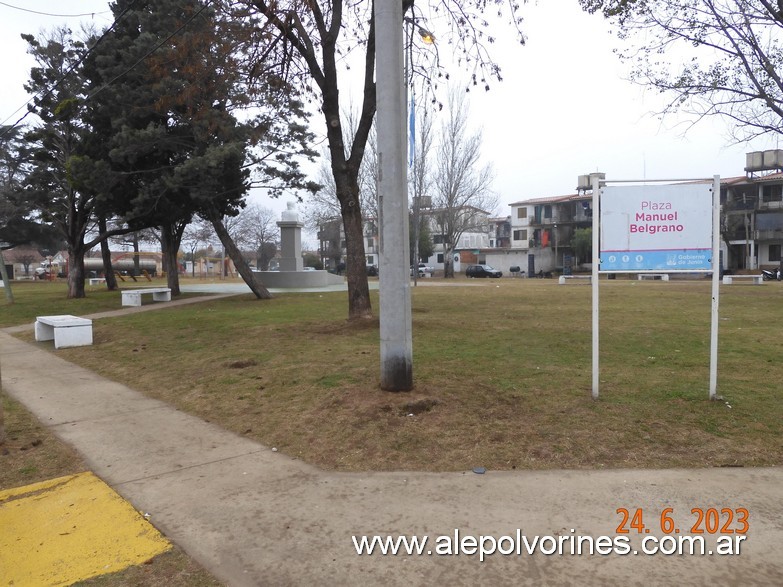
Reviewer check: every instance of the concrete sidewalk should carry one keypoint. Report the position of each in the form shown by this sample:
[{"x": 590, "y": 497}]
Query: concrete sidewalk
[{"x": 253, "y": 516}]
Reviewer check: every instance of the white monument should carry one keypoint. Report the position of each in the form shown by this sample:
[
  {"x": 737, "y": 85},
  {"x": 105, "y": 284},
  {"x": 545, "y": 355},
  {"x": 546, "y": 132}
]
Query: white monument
[
  {"x": 292, "y": 273},
  {"x": 291, "y": 240}
]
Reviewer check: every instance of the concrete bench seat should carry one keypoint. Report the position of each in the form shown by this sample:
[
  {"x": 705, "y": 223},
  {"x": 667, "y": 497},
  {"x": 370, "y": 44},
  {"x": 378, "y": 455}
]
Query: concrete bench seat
[
  {"x": 563, "y": 279},
  {"x": 729, "y": 279},
  {"x": 66, "y": 330},
  {"x": 132, "y": 297},
  {"x": 661, "y": 276}
]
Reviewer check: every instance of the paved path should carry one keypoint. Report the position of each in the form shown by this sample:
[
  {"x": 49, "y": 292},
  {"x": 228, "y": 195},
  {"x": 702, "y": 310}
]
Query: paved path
[{"x": 254, "y": 517}]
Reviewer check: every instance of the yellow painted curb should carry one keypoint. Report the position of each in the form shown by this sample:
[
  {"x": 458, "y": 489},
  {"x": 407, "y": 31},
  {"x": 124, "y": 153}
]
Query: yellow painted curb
[{"x": 69, "y": 529}]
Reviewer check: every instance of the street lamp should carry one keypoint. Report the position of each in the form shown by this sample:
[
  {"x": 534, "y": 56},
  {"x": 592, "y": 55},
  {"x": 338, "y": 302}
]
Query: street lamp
[
  {"x": 555, "y": 229},
  {"x": 426, "y": 36}
]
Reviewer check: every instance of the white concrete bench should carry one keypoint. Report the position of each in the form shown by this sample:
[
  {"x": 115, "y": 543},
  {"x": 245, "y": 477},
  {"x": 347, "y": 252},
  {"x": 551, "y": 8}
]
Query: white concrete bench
[
  {"x": 97, "y": 280},
  {"x": 65, "y": 330},
  {"x": 729, "y": 279},
  {"x": 661, "y": 276},
  {"x": 563, "y": 279},
  {"x": 132, "y": 297}
]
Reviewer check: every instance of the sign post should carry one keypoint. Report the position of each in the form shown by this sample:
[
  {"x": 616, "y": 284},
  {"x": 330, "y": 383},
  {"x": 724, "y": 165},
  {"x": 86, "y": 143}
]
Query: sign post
[
  {"x": 656, "y": 228},
  {"x": 595, "y": 182},
  {"x": 714, "y": 321}
]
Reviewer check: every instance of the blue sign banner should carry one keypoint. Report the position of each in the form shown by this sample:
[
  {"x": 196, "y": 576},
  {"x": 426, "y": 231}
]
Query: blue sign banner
[{"x": 668, "y": 260}]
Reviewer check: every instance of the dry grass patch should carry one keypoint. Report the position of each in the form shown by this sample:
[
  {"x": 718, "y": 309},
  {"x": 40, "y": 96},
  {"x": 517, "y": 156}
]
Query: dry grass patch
[{"x": 31, "y": 453}]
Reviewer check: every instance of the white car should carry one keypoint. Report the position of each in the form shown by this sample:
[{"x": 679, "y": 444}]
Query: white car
[{"x": 424, "y": 270}]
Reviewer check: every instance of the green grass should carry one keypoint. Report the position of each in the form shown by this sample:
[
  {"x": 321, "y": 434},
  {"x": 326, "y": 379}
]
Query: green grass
[
  {"x": 502, "y": 374},
  {"x": 43, "y": 298}
]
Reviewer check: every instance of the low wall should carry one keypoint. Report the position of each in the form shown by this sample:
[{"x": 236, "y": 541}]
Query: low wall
[{"x": 296, "y": 279}]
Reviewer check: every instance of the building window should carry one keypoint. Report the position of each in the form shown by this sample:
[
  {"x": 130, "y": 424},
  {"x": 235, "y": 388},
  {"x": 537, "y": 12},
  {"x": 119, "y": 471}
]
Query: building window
[
  {"x": 440, "y": 257},
  {"x": 772, "y": 193},
  {"x": 520, "y": 235},
  {"x": 437, "y": 239},
  {"x": 547, "y": 211},
  {"x": 774, "y": 253},
  {"x": 522, "y": 212}
]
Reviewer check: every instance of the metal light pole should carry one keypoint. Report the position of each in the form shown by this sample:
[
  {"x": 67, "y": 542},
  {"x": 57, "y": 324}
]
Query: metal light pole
[{"x": 394, "y": 278}]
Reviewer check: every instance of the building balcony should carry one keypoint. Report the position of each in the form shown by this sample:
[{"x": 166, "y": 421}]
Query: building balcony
[
  {"x": 739, "y": 206},
  {"x": 564, "y": 221},
  {"x": 769, "y": 235}
]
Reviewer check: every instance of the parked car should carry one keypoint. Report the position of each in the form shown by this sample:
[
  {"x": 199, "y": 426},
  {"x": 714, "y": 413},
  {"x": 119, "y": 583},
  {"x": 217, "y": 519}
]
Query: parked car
[
  {"x": 482, "y": 271},
  {"x": 424, "y": 269},
  {"x": 372, "y": 271}
]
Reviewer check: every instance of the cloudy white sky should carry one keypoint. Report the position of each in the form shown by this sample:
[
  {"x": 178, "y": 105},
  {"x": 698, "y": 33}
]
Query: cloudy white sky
[{"x": 563, "y": 110}]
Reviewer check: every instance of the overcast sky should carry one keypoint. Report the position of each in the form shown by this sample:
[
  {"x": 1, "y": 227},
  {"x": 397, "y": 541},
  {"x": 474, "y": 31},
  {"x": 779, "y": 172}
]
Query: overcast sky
[{"x": 563, "y": 110}]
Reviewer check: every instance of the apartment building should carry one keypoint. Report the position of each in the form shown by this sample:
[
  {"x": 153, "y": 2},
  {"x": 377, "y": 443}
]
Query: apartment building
[
  {"x": 538, "y": 237},
  {"x": 477, "y": 232}
]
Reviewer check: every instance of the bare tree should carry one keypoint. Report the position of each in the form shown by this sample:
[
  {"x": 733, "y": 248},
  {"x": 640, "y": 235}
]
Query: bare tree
[
  {"x": 709, "y": 57},
  {"x": 324, "y": 205},
  {"x": 462, "y": 184},
  {"x": 26, "y": 256},
  {"x": 307, "y": 42},
  {"x": 233, "y": 252},
  {"x": 197, "y": 234},
  {"x": 420, "y": 179},
  {"x": 261, "y": 233}
]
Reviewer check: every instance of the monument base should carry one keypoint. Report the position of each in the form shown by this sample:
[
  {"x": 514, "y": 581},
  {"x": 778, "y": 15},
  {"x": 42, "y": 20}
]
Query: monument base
[{"x": 296, "y": 279}]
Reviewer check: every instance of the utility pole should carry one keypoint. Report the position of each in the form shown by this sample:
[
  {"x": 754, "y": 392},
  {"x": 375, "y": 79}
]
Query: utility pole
[{"x": 394, "y": 277}]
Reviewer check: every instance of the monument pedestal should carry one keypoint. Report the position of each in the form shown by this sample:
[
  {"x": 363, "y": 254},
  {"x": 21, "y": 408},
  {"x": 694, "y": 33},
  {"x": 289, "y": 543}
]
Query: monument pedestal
[{"x": 291, "y": 245}]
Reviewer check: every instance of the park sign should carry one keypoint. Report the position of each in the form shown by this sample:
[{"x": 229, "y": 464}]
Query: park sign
[{"x": 662, "y": 228}]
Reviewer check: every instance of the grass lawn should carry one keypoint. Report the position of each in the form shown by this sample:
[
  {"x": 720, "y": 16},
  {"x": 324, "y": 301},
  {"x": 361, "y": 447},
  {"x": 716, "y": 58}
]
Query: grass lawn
[
  {"x": 43, "y": 298},
  {"x": 502, "y": 374}
]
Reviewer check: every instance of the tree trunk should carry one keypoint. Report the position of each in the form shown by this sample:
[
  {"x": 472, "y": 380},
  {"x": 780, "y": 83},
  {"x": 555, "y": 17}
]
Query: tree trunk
[
  {"x": 448, "y": 262},
  {"x": 170, "y": 236},
  {"x": 9, "y": 295},
  {"x": 359, "y": 306},
  {"x": 233, "y": 252},
  {"x": 136, "y": 258},
  {"x": 76, "y": 271},
  {"x": 108, "y": 269}
]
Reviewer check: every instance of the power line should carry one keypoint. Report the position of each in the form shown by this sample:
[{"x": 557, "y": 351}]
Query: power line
[
  {"x": 51, "y": 14},
  {"x": 150, "y": 52},
  {"x": 62, "y": 78},
  {"x": 91, "y": 49}
]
